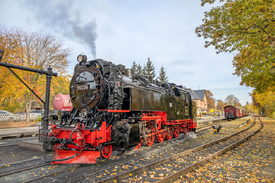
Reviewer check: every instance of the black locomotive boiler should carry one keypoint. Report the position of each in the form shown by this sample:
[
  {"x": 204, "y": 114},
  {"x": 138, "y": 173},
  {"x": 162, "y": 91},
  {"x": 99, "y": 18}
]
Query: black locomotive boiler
[{"x": 114, "y": 108}]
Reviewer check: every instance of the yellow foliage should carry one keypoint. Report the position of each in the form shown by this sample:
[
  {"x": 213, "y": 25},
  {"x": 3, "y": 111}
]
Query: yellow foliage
[
  {"x": 32, "y": 50},
  {"x": 267, "y": 101}
]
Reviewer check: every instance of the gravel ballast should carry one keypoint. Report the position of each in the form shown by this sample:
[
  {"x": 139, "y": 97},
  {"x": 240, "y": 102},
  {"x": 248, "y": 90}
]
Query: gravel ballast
[{"x": 252, "y": 161}]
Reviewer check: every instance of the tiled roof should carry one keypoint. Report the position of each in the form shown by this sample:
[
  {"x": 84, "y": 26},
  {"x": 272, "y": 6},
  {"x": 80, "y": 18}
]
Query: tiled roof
[
  {"x": 194, "y": 96},
  {"x": 197, "y": 94}
]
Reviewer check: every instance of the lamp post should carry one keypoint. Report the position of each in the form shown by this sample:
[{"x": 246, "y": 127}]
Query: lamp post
[{"x": 1, "y": 54}]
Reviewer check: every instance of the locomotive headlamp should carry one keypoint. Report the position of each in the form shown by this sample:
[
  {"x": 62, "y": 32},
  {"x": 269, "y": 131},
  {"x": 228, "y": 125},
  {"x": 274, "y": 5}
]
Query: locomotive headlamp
[
  {"x": 81, "y": 58},
  {"x": 1, "y": 54}
]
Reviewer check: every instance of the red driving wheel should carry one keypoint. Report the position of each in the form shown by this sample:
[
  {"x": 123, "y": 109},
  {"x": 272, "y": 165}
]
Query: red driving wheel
[
  {"x": 161, "y": 137},
  {"x": 169, "y": 134},
  {"x": 176, "y": 132},
  {"x": 107, "y": 151},
  {"x": 150, "y": 139}
]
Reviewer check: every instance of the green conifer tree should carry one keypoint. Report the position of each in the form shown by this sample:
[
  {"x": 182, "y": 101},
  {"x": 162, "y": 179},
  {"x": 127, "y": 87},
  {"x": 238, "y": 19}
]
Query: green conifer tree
[
  {"x": 149, "y": 68},
  {"x": 134, "y": 67},
  {"x": 139, "y": 69},
  {"x": 162, "y": 75}
]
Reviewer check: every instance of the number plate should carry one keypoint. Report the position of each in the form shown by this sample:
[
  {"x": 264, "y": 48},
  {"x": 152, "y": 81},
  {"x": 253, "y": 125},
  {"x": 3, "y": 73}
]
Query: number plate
[{"x": 82, "y": 87}]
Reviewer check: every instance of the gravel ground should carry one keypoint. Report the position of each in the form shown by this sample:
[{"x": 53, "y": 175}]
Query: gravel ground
[
  {"x": 159, "y": 151},
  {"x": 16, "y": 153},
  {"x": 252, "y": 161}
]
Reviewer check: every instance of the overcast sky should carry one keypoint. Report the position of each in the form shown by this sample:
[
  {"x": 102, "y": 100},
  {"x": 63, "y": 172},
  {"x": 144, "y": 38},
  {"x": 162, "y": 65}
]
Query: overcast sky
[{"x": 123, "y": 31}]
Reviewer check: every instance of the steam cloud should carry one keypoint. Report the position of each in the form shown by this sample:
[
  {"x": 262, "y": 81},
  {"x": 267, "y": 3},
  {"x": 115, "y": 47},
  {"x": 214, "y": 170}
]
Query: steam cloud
[{"x": 60, "y": 16}]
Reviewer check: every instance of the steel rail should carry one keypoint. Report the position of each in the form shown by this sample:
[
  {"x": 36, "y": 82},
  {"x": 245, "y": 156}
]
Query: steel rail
[
  {"x": 7, "y": 145},
  {"x": 95, "y": 172},
  {"x": 84, "y": 175},
  {"x": 205, "y": 160},
  {"x": 18, "y": 162},
  {"x": 79, "y": 177},
  {"x": 21, "y": 170},
  {"x": 50, "y": 174},
  {"x": 160, "y": 162}
]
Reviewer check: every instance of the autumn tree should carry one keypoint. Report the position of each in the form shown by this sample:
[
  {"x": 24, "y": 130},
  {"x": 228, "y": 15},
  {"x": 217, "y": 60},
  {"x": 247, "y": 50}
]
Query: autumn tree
[
  {"x": 210, "y": 100},
  {"x": 250, "y": 108},
  {"x": 220, "y": 105},
  {"x": 246, "y": 28},
  {"x": 149, "y": 68},
  {"x": 265, "y": 101},
  {"x": 232, "y": 100},
  {"x": 34, "y": 50},
  {"x": 255, "y": 103},
  {"x": 9, "y": 99},
  {"x": 162, "y": 75}
]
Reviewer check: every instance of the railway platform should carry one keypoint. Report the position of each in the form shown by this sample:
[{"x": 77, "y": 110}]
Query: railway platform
[
  {"x": 208, "y": 120},
  {"x": 18, "y": 132}
]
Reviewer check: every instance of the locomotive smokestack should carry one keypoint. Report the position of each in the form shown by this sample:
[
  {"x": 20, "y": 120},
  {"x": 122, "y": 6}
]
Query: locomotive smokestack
[
  {"x": 61, "y": 17},
  {"x": 129, "y": 73}
]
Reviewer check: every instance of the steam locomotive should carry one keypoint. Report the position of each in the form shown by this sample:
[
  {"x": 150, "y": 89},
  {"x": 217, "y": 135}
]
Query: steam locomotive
[{"x": 116, "y": 109}]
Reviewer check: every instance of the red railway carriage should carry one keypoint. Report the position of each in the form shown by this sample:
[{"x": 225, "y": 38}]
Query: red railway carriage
[
  {"x": 242, "y": 112},
  {"x": 238, "y": 114},
  {"x": 115, "y": 109},
  {"x": 245, "y": 113},
  {"x": 231, "y": 112}
]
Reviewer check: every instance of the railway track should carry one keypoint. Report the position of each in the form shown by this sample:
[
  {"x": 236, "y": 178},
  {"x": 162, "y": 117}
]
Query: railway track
[
  {"x": 171, "y": 168},
  {"x": 14, "y": 142},
  {"x": 15, "y": 167},
  {"x": 141, "y": 166},
  {"x": 71, "y": 173},
  {"x": 223, "y": 150},
  {"x": 134, "y": 166},
  {"x": 74, "y": 170},
  {"x": 30, "y": 170}
]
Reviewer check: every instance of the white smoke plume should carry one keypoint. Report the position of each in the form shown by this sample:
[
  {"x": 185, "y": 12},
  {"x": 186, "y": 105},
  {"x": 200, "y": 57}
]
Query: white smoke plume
[{"x": 60, "y": 16}]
